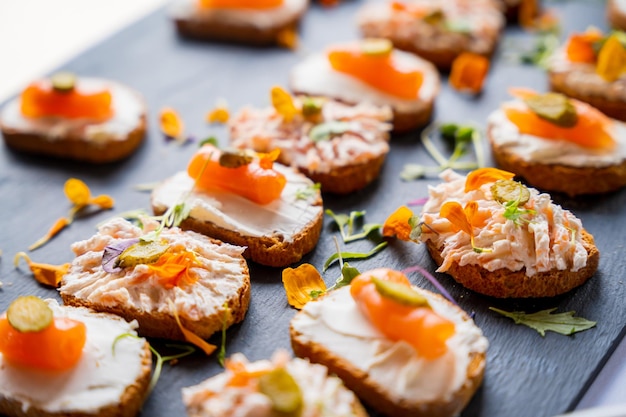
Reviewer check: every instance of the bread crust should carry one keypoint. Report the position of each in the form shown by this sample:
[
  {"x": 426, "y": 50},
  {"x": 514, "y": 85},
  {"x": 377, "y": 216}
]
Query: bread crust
[
  {"x": 374, "y": 395},
  {"x": 615, "y": 109},
  {"x": 349, "y": 178},
  {"x": 164, "y": 325},
  {"x": 615, "y": 15},
  {"x": 570, "y": 180},
  {"x": 129, "y": 405},
  {"x": 76, "y": 148},
  {"x": 504, "y": 283},
  {"x": 265, "y": 250}
]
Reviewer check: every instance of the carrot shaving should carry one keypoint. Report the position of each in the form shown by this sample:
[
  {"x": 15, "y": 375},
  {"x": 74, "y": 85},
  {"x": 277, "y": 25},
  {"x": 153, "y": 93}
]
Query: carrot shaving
[
  {"x": 171, "y": 124},
  {"x": 283, "y": 103},
  {"x": 266, "y": 160},
  {"x": 300, "y": 283},
  {"x": 241, "y": 376},
  {"x": 219, "y": 114},
  {"x": 468, "y": 72},
  {"x": 478, "y": 177},
  {"x": 172, "y": 269},
  {"x": 288, "y": 38},
  {"x": 45, "y": 274},
  {"x": 397, "y": 224},
  {"x": 580, "y": 46},
  {"x": 414, "y": 10},
  {"x": 190, "y": 336},
  {"x": 611, "y": 59}
]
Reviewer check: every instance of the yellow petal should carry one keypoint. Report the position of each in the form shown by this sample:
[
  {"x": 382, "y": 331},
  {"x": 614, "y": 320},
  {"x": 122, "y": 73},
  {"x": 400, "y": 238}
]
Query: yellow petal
[
  {"x": 219, "y": 114},
  {"x": 171, "y": 124},
  {"x": 300, "y": 282},
  {"x": 46, "y": 274},
  {"x": 611, "y": 59},
  {"x": 397, "y": 224},
  {"x": 77, "y": 191},
  {"x": 104, "y": 201},
  {"x": 482, "y": 176},
  {"x": 287, "y": 38},
  {"x": 190, "y": 336},
  {"x": 283, "y": 103},
  {"x": 456, "y": 215}
]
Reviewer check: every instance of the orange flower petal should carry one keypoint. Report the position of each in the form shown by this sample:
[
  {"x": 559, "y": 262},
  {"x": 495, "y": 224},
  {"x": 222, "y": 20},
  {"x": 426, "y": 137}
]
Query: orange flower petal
[
  {"x": 287, "y": 38},
  {"x": 283, "y": 103},
  {"x": 397, "y": 224},
  {"x": 59, "y": 225},
  {"x": 171, "y": 124},
  {"x": 266, "y": 160},
  {"x": 45, "y": 274},
  {"x": 611, "y": 59},
  {"x": 219, "y": 114},
  {"x": 190, "y": 336},
  {"x": 468, "y": 72},
  {"x": 104, "y": 201},
  {"x": 300, "y": 282},
  {"x": 482, "y": 176},
  {"x": 453, "y": 211},
  {"x": 172, "y": 269},
  {"x": 77, "y": 191}
]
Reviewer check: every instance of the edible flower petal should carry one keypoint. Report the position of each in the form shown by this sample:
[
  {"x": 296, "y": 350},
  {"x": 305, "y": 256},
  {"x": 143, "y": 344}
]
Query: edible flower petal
[
  {"x": 171, "y": 124},
  {"x": 46, "y": 274},
  {"x": 463, "y": 218},
  {"x": 287, "y": 38},
  {"x": 190, "y": 336},
  {"x": 59, "y": 225},
  {"x": 219, "y": 114},
  {"x": 468, "y": 72},
  {"x": 611, "y": 59},
  {"x": 172, "y": 269},
  {"x": 482, "y": 176},
  {"x": 301, "y": 283},
  {"x": 397, "y": 224},
  {"x": 77, "y": 192},
  {"x": 283, "y": 103},
  {"x": 580, "y": 46}
]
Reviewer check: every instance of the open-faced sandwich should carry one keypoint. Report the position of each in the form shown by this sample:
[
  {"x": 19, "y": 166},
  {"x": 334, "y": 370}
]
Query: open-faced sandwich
[
  {"x": 171, "y": 281},
  {"x": 405, "y": 351},
  {"x": 559, "y": 144},
  {"x": 340, "y": 146},
  {"x": 85, "y": 119},
  {"x": 372, "y": 71},
  {"x": 591, "y": 67},
  {"x": 616, "y": 13},
  {"x": 500, "y": 238},
  {"x": 437, "y": 31},
  {"x": 253, "y": 22},
  {"x": 282, "y": 387},
  {"x": 247, "y": 200},
  {"x": 72, "y": 362}
]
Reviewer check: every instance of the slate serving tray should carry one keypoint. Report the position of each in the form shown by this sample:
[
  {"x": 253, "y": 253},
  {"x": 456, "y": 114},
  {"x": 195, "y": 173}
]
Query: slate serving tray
[{"x": 526, "y": 375}]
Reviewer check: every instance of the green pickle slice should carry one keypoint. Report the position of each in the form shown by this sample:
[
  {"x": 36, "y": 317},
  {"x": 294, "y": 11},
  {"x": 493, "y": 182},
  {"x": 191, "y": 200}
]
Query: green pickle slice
[
  {"x": 29, "y": 314},
  {"x": 504, "y": 191},
  {"x": 63, "y": 82},
  {"x": 234, "y": 159},
  {"x": 553, "y": 107},
  {"x": 283, "y": 391},
  {"x": 400, "y": 293},
  {"x": 142, "y": 253},
  {"x": 376, "y": 46}
]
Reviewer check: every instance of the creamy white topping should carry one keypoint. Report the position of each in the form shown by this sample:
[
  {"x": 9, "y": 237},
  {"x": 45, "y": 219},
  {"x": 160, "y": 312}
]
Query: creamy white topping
[
  {"x": 218, "y": 280},
  {"x": 506, "y": 135},
  {"x": 335, "y": 322},
  {"x": 98, "y": 380},
  {"x": 620, "y": 5},
  {"x": 315, "y": 76},
  {"x": 285, "y": 216},
  {"x": 128, "y": 108},
  {"x": 260, "y": 18},
  {"x": 550, "y": 238},
  {"x": 265, "y": 129},
  {"x": 213, "y": 398}
]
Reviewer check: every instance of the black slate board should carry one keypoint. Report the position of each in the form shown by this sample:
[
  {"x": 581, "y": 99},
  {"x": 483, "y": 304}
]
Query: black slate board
[{"x": 527, "y": 375}]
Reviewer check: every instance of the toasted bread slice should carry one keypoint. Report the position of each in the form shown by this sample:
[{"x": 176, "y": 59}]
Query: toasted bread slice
[
  {"x": 389, "y": 376},
  {"x": 343, "y": 161},
  {"x": 434, "y": 36},
  {"x": 213, "y": 292},
  {"x": 318, "y": 390},
  {"x": 260, "y": 27},
  {"x": 275, "y": 234},
  {"x": 616, "y": 14},
  {"x": 80, "y": 139},
  {"x": 88, "y": 389}
]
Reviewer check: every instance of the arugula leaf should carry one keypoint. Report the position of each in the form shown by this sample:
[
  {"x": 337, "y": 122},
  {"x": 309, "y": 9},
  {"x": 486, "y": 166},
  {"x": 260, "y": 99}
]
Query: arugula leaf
[
  {"x": 211, "y": 140},
  {"x": 354, "y": 255},
  {"x": 367, "y": 229},
  {"x": 307, "y": 192},
  {"x": 327, "y": 130},
  {"x": 543, "y": 321}
]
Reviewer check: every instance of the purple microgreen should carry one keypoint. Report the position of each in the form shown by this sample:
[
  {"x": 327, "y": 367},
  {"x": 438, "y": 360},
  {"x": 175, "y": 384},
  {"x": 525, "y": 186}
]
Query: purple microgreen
[
  {"x": 432, "y": 279},
  {"x": 417, "y": 202},
  {"x": 112, "y": 253}
]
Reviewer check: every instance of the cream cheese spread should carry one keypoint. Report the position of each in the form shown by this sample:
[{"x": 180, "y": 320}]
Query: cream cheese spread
[
  {"x": 221, "y": 276},
  {"x": 260, "y": 18},
  {"x": 315, "y": 76},
  {"x": 213, "y": 397},
  {"x": 550, "y": 238},
  {"x": 505, "y": 135},
  {"x": 98, "y": 380},
  {"x": 128, "y": 108},
  {"x": 285, "y": 216},
  {"x": 335, "y": 322}
]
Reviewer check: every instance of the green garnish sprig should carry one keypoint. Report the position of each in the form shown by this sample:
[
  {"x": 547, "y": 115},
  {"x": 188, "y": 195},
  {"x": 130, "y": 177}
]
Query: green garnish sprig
[
  {"x": 462, "y": 136},
  {"x": 307, "y": 192},
  {"x": 543, "y": 321},
  {"x": 347, "y": 223}
]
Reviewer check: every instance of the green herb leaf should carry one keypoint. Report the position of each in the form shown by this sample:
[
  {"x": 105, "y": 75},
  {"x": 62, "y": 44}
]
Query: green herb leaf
[
  {"x": 314, "y": 294},
  {"x": 327, "y": 130},
  {"x": 345, "y": 223},
  {"x": 368, "y": 228},
  {"x": 543, "y": 321},
  {"x": 348, "y": 273},
  {"x": 211, "y": 140},
  {"x": 416, "y": 228},
  {"x": 178, "y": 213},
  {"x": 412, "y": 172},
  {"x": 545, "y": 45},
  {"x": 221, "y": 355},
  {"x": 354, "y": 255},
  {"x": 459, "y": 26},
  {"x": 308, "y": 192}
]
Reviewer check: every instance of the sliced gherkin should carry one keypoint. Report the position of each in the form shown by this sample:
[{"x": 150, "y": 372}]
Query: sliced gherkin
[
  {"x": 234, "y": 159},
  {"x": 553, "y": 107},
  {"x": 142, "y": 253},
  {"x": 63, "y": 82},
  {"x": 400, "y": 293},
  {"x": 283, "y": 391},
  {"x": 508, "y": 190},
  {"x": 376, "y": 46},
  {"x": 29, "y": 314}
]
